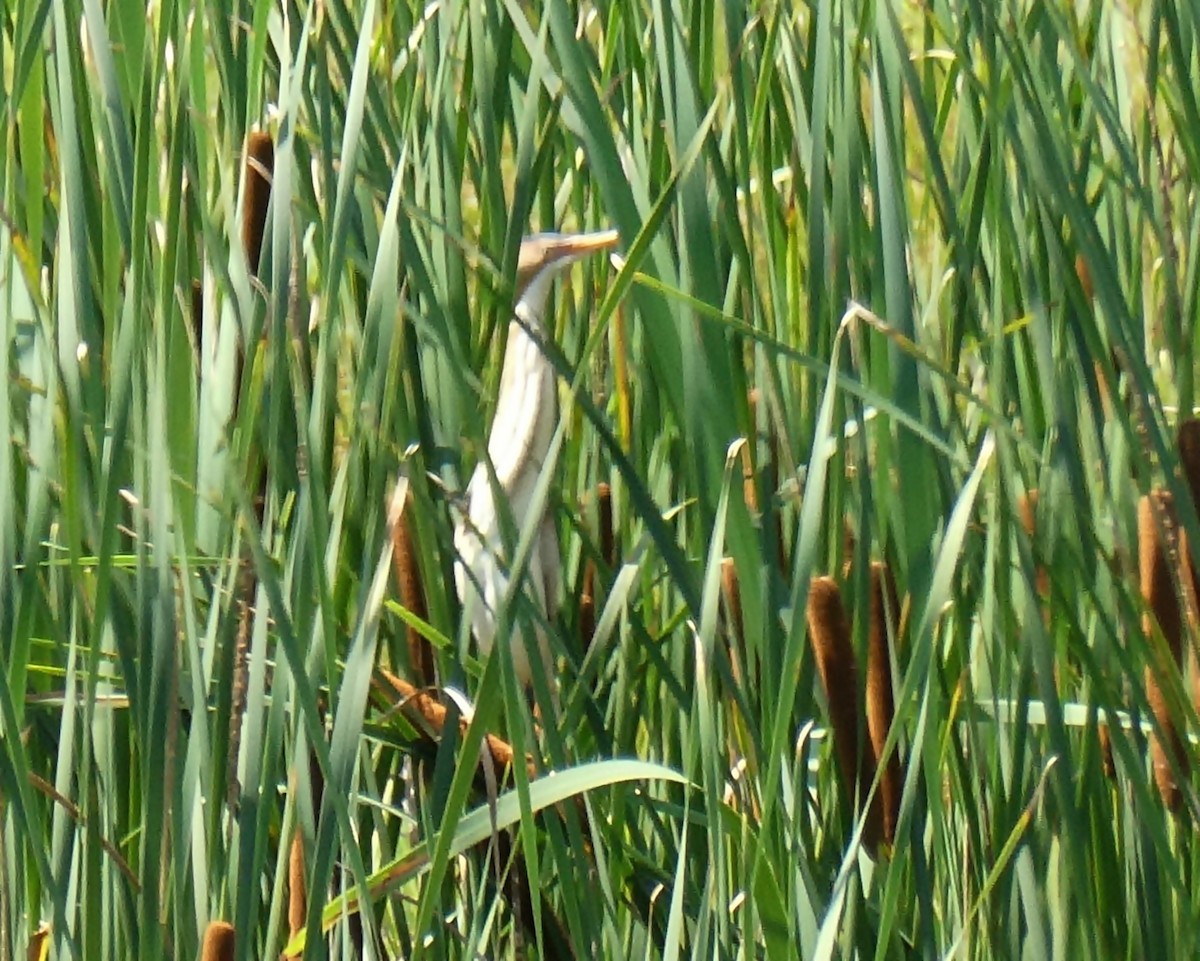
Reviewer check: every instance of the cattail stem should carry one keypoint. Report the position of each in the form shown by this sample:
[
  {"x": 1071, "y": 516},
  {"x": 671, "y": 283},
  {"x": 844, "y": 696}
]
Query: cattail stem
[
  {"x": 429, "y": 717},
  {"x": 1158, "y": 590},
  {"x": 829, "y": 632}
]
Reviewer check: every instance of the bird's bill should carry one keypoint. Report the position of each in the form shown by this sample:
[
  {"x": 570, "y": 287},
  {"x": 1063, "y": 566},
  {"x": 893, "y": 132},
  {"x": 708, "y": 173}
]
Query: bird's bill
[
  {"x": 577, "y": 245},
  {"x": 544, "y": 250}
]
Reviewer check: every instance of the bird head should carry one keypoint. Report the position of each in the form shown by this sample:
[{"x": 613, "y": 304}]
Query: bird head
[{"x": 541, "y": 259}]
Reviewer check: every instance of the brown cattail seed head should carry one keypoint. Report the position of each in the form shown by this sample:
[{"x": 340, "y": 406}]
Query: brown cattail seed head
[
  {"x": 1189, "y": 575},
  {"x": 884, "y": 614},
  {"x": 1158, "y": 590},
  {"x": 1189, "y": 456},
  {"x": 749, "y": 487},
  {"x": 408, "y": 580},
  {"x": 1085, "y": 276},
  {"x": 218, "y": 942},
  {"x": 260, "y": 167},
  {"x": 1104, "y": 736},
  {"x": 733, "y": 603},
  {"x": 297, "y": 897},
  {"x": 829, "y": 632},
  {"x": 1027, "y": 505},
  {"x": 608, "y": 549},
  {"x": 197, "y": 316},
  {"x": 587, "y": 605}
]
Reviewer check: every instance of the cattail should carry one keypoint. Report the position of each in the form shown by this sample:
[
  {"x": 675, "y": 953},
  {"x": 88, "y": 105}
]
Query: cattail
[
  {"x": 429, "y": 718},
  {"x": 829, "y": 633},
  {"x": 297, "y": 896},
  {"x": 1027, "y": 505},
  {"x": 218, "y": 942},
  {"x": 1189, "y": 458},
  {"x": 608, "y": 550},
  {"x": 408, "y": 580},
  {"x": 884, "y": 609},
  {"x": 39, "y": 942},
  {"x": 197, "y": 318},
  {"x": 260, "y": 167},
  {"x": 240, "y": 679},
  {"x": 587, "y": 605},
  {"x": 1158, "y": 590},
  {"x": 733, "y": 605},
  {"x": 1085, "y": 276},
  {"x": 849, "y": 546},
  {"x": 771, "y": 483},
  {"x": 1104, "y": 737},
  {"x": 1188, "y": 442},
  {"x": 749, "y": 487}
]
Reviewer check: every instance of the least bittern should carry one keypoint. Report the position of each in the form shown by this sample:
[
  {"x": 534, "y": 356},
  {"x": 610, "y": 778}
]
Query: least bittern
[{"x": 518, "y": 443}]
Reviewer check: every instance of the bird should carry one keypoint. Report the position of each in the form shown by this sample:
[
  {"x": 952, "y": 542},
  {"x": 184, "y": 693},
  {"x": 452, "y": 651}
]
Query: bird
[{"x": 518, "y": 442}]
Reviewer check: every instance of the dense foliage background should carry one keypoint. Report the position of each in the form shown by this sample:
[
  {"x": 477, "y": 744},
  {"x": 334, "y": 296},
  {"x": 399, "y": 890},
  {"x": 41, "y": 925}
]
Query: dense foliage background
[{"x": 924, "y": 258}]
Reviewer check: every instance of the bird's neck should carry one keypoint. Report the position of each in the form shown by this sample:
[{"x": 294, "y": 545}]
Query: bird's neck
[
  {"x": 531, "y": 305},
  {"x": 527, "y": 408}
]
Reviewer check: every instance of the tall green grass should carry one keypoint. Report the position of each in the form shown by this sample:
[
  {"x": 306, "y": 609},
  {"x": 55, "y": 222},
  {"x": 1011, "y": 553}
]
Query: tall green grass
[{"x": 953, "y": 249}]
